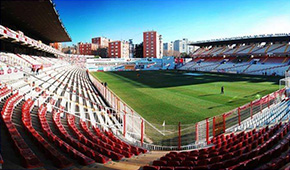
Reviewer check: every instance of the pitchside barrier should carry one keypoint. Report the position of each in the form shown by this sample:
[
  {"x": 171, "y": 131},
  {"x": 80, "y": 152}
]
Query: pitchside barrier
[{"x": 181, "y": 136}]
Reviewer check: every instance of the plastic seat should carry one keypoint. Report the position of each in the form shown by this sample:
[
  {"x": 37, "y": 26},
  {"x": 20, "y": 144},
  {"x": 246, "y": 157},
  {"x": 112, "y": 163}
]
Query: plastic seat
[
  {"x": 240, "y": 166},
  {"x": 173, "y": 163},
  {"x": 226, "y": 157},
  {"x": 165, "y": 158},
  {"x": 202, "y": 162},
  {"x": 182, "y": 168},
  {"x": 199, "y": 168},
  {"x": 191, "y": 158},
  {"x": 159, "y": 163},
  {"x": 229, "y": 162},
  {"x": 166, "y": 168},
  {"x": 187, "y": 163},
  {"x": 214, "y": 160},
  {"x": 251, "y": 164},
  {"x": 150, "y": 168}
]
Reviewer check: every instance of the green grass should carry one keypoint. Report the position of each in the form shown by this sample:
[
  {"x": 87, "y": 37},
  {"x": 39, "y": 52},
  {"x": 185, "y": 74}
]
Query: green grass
[{"x": 174, "y": 97}]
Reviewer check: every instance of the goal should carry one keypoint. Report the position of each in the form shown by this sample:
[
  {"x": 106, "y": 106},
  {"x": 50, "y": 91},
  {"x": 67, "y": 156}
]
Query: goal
[{"x": 285, "y": 82}]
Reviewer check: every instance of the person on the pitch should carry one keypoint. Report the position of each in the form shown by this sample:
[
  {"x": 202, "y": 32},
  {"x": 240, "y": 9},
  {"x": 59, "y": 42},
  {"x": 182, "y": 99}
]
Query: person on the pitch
[{"x": 222, "y": 90}]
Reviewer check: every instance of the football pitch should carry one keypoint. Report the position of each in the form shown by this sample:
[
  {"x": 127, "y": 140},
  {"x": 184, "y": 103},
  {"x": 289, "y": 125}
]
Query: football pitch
[{"x": 186, "y": 97}]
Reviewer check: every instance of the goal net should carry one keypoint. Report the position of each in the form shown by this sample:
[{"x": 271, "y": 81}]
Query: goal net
[{"x": 285, "y": 82}]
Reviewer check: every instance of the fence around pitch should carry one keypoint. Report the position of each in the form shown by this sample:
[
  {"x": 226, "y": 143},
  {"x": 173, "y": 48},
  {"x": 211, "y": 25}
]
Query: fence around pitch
[
  {"x": 132, "y": 123},
  {"x": 220, "y": 123},
  {"x": 180, "y": 136}
]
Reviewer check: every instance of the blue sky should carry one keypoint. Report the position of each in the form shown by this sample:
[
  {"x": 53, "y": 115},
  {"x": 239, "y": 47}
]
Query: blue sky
[{"x": 174, "y": 19}]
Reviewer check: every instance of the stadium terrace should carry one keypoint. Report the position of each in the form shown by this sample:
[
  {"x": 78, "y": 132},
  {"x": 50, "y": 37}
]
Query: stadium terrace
[
  {"x": 245, "y": 37},
  {"x": 225, "y": 106}
]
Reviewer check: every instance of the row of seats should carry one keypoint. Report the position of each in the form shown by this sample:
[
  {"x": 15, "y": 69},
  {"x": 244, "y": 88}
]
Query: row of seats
[
  {"x": 58, "y": 142},
  {"x": 242, "y": 50},
  {"x": 256, "y": 65},
  {"x": 4, "y": 91},
  {"x": 87, "y": 144},
  {"x": 245, "y": 150},
  {"x": 234, "y": 67},
  {"x": 82, "y": 159},
  {"x": 135, "y": 150},
  {"x": 58, "y": 159},
  {"x": 95, "y": 101},
  {"x": 275, "y": 113},
  {"x": 102, "y": 149},
  {"x": 75, "y": 143},
  {"x": 29, "y": 159},
  {"x": 83, "y": 81},
  {"x": 276, "y": 60},
  {"x": 111, "y": 136},
  {"x": 269, "y": 68},
  {"x": 104, "y": 141}
]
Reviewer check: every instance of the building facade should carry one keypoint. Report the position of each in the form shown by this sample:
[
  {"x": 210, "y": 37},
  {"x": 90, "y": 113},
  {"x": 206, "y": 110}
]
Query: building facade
[
  {"x": 131, "y": 48},
  {"x": 102, "y": 42},
  {"x": 138, "y": 50},
  {"x": 168, "y": 46},
  {"x": 181, "y": 46},
  {"x": 70, "y": 49},
  {"x": 152, "y": 44},
  {"x": 168, "y": 49},
  {"x": 87, "y": 48},
  {"x": 119, "y": 49}
]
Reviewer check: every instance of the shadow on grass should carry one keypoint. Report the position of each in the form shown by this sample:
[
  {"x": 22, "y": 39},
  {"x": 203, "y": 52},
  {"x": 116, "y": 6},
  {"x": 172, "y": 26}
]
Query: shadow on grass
[
  {"x": 173, "y": 78},
  {"x": 206, "y": 95},
  {"x": 259, "y": 92},
  {"x": 213, "y": 107}
]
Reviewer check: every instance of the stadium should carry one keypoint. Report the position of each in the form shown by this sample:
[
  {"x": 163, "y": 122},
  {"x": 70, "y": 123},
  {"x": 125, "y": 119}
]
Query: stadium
[{"x": 226, "y": 106}]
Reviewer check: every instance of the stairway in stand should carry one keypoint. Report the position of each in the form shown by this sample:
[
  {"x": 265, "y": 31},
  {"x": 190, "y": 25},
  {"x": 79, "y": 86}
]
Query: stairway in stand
[{"x": 133, "y": 163}]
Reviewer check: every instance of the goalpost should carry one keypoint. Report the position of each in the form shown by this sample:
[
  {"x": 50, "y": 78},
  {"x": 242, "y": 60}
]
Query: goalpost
[{"x": 285, "y": 82}]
